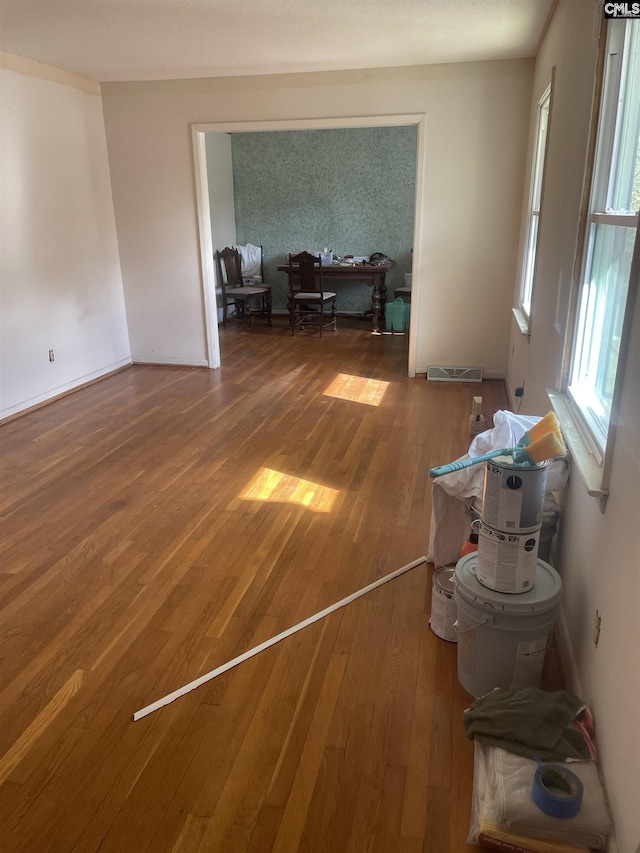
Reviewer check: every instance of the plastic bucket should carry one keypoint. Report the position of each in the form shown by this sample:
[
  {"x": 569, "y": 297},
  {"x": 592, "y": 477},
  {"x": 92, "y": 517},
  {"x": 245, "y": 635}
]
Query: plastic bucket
[
  {"x": 503, "y": 638},
  {"x": 443, "y": 607},
  {"x": 507, "y": 561},
  {"x": 513, "y": 496},
  {"x": 394, "y": 314}
]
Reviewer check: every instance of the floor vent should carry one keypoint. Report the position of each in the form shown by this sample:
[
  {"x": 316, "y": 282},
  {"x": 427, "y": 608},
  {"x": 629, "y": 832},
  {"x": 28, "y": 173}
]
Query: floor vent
[{"x": 438, "y": 373}]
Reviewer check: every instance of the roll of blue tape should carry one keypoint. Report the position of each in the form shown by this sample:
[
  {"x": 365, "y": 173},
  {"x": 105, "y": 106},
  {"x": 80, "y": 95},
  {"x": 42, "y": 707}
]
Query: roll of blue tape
[{"x": 557, "y": 791}]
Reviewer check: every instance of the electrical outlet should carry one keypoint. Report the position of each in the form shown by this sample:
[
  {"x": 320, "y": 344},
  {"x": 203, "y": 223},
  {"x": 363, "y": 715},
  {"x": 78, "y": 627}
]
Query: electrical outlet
[
  {"x": 52, "y": 356},
  {"x": 597, "y": 624}
]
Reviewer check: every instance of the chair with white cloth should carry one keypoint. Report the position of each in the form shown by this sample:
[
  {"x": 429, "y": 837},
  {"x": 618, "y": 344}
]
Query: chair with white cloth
[
  {"x": 251, "y": 263},
  {"x": 250, "y": 300}
]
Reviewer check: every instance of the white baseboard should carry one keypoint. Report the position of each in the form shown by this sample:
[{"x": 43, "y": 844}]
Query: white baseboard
[
  {"x": 61, "y": 390},
  {"x": 568, "y": 663},
  {"x": 168, "y": 362},
  {"x": 566, "y": 654}
]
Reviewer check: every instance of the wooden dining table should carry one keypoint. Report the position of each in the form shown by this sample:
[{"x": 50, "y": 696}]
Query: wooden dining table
[{"x": 371, "y": 274}]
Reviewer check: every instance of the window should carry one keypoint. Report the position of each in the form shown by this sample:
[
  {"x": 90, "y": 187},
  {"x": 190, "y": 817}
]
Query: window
[
  {"x": 533, "y": 217},
  {"x": 604, "y": 291}
]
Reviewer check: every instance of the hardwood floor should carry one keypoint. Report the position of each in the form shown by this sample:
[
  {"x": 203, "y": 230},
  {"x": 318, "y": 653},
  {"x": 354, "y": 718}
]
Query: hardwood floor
[{"x": 145, "y": 542}]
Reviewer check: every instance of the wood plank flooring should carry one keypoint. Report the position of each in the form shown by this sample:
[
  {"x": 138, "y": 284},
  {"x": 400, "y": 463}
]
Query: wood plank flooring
[{"x": 163, "y": 521}]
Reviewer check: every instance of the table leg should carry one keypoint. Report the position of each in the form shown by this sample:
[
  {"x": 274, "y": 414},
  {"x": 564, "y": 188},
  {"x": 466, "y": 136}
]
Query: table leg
[
  {"x": 378, "y": 300},
  {"x": 375, "y": 306},
  {"x": 383, "y": 295}
]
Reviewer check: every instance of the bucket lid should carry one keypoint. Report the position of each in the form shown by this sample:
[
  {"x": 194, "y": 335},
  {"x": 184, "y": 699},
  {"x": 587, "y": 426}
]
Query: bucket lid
[
  {"x": 544, "y": 596},
  {"x": 507, "y": 463},
  {"x": 443, "y": 578}
]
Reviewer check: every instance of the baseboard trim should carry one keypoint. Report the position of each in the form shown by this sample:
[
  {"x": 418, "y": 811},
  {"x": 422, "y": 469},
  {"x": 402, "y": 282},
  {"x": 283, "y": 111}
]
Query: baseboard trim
[
  {"x": 567, "y": 658},
  {"x": 167, "y": 362},
  {"x": 71, "y": 389}
]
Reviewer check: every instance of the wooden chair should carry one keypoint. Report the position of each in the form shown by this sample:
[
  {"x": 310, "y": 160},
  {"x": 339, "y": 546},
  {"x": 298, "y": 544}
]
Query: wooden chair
[
  {"x": 236, "y": 292},
  {"x": 307, "y": 298}
]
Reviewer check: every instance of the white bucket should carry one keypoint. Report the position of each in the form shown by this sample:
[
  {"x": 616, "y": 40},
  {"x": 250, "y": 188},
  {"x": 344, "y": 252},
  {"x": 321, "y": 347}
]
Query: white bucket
[
  {"x": 507, "y": 561},
  {"x": 513, "y": 497},
  {"x": 443, "y": 607},
  {"x": 503, "y": 638}
]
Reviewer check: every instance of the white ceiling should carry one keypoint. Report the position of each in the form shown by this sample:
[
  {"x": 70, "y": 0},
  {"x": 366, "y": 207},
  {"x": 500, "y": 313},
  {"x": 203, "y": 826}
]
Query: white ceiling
[{"x": 110, "y": 40}]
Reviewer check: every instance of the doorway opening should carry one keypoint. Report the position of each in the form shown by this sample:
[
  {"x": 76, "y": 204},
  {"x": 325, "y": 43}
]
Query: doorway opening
[{"x": 206, "y": 201}]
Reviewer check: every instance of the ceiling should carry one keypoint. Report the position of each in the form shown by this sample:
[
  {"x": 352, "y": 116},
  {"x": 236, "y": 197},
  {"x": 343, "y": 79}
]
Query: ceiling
[{"x": 109, "y": 40}]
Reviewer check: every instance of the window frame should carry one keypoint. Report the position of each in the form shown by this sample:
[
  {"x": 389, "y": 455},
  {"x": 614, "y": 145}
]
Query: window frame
[
  {"x": 590, "y": 452},
  {"x": 529, "y": 262}
]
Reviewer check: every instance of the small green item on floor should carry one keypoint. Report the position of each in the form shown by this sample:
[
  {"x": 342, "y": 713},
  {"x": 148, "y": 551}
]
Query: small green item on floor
[{"x": 395, "y": 315}]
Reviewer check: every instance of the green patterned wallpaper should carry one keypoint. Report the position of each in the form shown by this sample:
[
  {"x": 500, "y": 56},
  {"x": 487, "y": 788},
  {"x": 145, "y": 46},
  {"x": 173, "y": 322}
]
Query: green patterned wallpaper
[{"x": 351, "y": 190}]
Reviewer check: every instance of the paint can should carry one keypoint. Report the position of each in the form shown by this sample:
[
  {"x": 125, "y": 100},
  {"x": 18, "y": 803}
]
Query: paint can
[
  {"x": 443, "y": 607},
  {"x": 503, "y": 638},
  {"x": 513, "y": 496},
  {"x": 548, "y": 530},
  {"x": 507, "y": 561}
]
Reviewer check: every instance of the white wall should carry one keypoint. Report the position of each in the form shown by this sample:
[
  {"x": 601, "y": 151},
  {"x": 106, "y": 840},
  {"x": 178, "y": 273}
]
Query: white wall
[
  {"x": 60, "y": 281},
  {"x": 221, "y": 200},
  {"x": 476, "y": 131},
  {"x": 597, "y": 555}
]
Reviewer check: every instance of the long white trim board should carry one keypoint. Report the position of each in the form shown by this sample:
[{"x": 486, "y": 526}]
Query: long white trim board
[{"x": 209, "y": 676}]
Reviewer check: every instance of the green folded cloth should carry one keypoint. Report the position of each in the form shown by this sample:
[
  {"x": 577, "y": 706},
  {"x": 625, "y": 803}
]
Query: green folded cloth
[{"x": 528, "y": 721}]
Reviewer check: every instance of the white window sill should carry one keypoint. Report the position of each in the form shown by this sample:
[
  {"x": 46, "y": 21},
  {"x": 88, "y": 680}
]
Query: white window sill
[
  {"x": 588, "y": 467},
  {"x": 521, "y": 320}
]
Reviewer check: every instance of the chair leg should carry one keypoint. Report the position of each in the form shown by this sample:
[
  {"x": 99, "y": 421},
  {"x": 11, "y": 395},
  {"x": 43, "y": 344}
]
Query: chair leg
[
  {"x": 292, "y": 314},
  {"x": 242, "y": 312},
  {"x": 269, "y": 309},
  {"x": 321, "y": 316},
  {"x": 224, "y": 311}
]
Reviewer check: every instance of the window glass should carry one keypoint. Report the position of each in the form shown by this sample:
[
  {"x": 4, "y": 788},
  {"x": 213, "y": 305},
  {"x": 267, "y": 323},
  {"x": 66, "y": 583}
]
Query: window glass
[
  {"x": 625, "y": 177},
  {"x": 535, "y": 203},
  {"x": 610, "y": 236}
]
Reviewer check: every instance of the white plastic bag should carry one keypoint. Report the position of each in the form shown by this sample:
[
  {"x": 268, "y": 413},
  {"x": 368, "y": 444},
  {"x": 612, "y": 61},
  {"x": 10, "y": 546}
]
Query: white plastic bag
[
  {"x": 455, "y": 494},
  {"x": 503, "y": 811}
]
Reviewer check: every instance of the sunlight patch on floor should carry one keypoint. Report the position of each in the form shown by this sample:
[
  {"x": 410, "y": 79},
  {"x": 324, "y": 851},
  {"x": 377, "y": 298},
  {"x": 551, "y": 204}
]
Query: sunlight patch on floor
[
  {"x": 357, "y": 389},
  {"x": 270, "y": 485}
]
